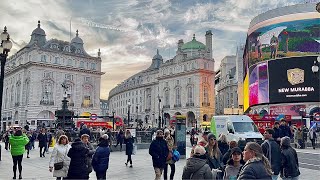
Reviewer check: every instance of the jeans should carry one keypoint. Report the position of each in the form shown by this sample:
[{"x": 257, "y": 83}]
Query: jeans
[
  {"x": 17, "y": 160},
  {"x": 42, "y": 153},
  {"x": 313, "y": 142},
  {"x": 274, "y": 177},
  {"x": 158, "y": 173},
  {"x": 101, "y": 175},
  {"x": 129, "y": 159},
  {"x": 173, "y": 170}
]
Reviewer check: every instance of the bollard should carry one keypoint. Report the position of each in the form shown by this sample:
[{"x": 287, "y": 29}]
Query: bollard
[{"x": 0, "y": 152}]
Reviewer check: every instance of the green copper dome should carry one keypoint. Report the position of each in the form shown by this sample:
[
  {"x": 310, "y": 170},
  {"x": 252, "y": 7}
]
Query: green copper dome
[{"x": 194, "y": 44}]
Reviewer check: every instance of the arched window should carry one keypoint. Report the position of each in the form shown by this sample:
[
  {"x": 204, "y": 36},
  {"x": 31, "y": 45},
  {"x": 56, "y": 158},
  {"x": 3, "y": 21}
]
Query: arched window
[
  {"x": 87, "y": 96},
  {"x": 167, "y": 97},
  {"x": 190, "y": 95},
  {"x": 205, "y": 95}
]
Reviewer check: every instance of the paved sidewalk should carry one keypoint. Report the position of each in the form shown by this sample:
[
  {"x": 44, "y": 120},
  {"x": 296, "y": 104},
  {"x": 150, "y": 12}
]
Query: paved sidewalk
[{"x": 37, "y": 168}]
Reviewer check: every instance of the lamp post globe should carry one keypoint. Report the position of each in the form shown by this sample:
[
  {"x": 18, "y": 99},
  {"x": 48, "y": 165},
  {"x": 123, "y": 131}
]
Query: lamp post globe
[
  {"x": 129, "y": 105},
  {"x": 315, "y": 68}
]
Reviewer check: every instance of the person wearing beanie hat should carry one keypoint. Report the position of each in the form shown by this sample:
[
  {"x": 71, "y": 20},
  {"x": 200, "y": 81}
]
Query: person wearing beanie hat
[
  {"x": 289, "y": 160},
  {"x": 100, "y": 159},
  {"x": 196, "y": 166},
  {"x": 234, "y": 164},
  {"x": 78, "y": 166}
]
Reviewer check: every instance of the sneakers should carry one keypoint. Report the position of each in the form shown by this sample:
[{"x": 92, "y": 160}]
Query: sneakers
[
  {"x": 126, "y": 164},
  {"x": 130, "y": 166}
]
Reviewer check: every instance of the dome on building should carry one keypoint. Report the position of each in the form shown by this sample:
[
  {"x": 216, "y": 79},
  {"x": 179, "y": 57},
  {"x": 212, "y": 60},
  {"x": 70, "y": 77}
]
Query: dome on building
[
  {"x": 38, "y": 31},
  {"x": 157, "y": 56},
  {"x": 194, "y": 44},
  {"x": 76, "y": 39}
]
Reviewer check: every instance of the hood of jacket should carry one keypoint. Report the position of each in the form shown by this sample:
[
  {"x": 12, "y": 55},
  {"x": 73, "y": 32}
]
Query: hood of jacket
[
  {"x": 78, "y": 145},
  {"x": 194, "y": 164},
  {"x": 103, "y": 143}
]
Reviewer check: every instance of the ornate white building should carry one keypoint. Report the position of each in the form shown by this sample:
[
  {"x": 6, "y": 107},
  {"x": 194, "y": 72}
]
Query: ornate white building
[
  {"x": 181, "y": 85},
  {"x": 33, "y": 78}
]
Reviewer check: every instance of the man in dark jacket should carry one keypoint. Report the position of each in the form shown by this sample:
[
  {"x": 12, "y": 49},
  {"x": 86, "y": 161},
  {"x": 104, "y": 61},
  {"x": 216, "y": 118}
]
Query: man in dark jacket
[
  {"x": 285, "y": 129},
  {"x": 85, "y": 140},
  {"x": 43, "y": 140},
  {"x": 159, "y": 152},
  {"x": 289, "y": 160},
  {"x": 197, "y": 167},
  {"x": 271, "y": 150},
  {"x": 100, "y": 159},
  {"x": 84, "y": 130},
  {"x": 277, "y": 132},
  {"x": 78, "y": 167}
]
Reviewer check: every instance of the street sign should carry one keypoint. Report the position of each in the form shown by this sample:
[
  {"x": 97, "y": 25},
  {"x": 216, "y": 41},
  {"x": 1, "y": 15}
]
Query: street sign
[{"x": 93, "y": 117}]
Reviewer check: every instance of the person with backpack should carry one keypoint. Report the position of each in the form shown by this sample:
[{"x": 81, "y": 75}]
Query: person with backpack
[
  {"x": 289, "y": 161},
  {"x": 272, "y": 152},
  {"x": 100, "y": 159},
  {"x": 196, "y": 166}
]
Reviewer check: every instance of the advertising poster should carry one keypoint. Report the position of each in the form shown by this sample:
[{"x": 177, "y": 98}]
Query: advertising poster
[
  {"x": 293, "y": 110},
  {"x": 293, "y": 81}
]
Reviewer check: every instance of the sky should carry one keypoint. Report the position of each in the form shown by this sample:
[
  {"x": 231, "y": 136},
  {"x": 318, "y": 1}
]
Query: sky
[{"x": 128, "y": 32}]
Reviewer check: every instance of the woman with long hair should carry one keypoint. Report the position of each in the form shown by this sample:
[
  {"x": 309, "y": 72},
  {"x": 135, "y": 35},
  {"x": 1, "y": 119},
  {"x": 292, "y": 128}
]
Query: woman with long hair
[
  {"x": 170, "y": 142},
  {"x": 214, "y": 156},
  {"x": 128, "y": 140},
  {"x": 59, "y": 154},
  {"x": 257, "y": 165},
  {"x": 234, "y": 164},
  {"x": 18, "y": 142},
  {"x": 223, "y": 144}
]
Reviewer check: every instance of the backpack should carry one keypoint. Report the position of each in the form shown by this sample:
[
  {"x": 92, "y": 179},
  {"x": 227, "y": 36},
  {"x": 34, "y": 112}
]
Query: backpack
[{"x": 175, "y": 155}]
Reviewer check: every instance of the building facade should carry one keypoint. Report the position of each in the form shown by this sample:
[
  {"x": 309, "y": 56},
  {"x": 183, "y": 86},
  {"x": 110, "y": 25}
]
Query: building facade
[
  {"x": 33, "y": 78},
  {"x": 181, "y": 85},
  {"x": 104, "y": 108},
  {"x": 226, "y": 85}
]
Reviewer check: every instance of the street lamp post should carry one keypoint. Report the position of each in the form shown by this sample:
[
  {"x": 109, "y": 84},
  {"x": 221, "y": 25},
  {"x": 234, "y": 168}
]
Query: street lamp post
[
  {"x": 129, "y": 106},
  {"x": 5, "y": 47},
  {"x": 113, "y": 112},
  {"x": 315, "y": 69},
  {"x": 159, "y": 118}
]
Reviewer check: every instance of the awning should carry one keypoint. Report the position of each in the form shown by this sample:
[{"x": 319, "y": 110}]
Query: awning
[{"x": 205, "y": 123}]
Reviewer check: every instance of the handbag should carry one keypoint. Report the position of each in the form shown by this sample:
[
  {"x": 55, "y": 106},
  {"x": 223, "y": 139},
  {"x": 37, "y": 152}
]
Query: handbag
[
  {"x": 59, "y": 165},
  {"x": 169, "y": 157}
]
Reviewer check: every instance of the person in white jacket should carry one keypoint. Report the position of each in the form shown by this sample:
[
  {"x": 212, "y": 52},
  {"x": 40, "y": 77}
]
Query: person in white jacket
[{"x": 59, "y": 154}]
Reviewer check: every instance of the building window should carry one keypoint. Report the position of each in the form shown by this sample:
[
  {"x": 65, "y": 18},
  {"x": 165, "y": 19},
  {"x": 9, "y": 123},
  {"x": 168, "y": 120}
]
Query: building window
[
  {"x": 206, "y": 65},
  {"x": 56, "y": 60},
  {"x": 178, "y": 96},
  {"x": 69, "y": 62},
  {"x": 190, "y": 95},
  {"x": 205, "y": 95},
  {"x": 93, "y": 66},
  {"x": 167, "y": 97},
  {"x": 43, "y": 58},
  {"x": 69, "y": 77},
  {"x": 81, "y": 64}
]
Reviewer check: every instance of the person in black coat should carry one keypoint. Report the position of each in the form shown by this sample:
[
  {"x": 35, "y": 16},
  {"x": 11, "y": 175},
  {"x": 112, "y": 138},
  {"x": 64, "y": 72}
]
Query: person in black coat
[
  {"x": 120, "y": 137},
  {"x": 289, "y": 160},
  {"x": 159, "y": 153},
  {"x": 285, "y": 129},
  {"x": 227, "y": 155},
  {"x": 223, "y": 144},
  {"x": 277, "y": 133},
  {"x": 257, "y": 165},
  {"x": 272, "y": 152},
  {"x": 100, "y": 159},
  {"x": 128, "y": 140},
  {"x": 43, "y": 140},
  {"x": 84, "y": 130},
  {"x": 78, "y": 167}
]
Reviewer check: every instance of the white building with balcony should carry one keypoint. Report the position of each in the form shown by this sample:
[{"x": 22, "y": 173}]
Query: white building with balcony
[{"x": 33, "y": 78}]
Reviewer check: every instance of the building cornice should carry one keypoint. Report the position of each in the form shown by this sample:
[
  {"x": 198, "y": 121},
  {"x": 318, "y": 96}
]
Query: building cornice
[{"x": 184, "y": 73}]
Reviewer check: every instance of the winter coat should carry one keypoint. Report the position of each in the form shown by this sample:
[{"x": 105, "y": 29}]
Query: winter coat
[
  {"x": 18, "y": 144},
  {"x": 214, "y": 163},
  {"x": 231, "y": 172},
  {"x": 78, "y": 166},
  {"x": 120, "y": 136},
  {"x": 196, "y": 168},
  {"x": 84, "y": 131},
  {"x": 275, "y": 155},
  {"x": 129, "y": 145},
  {"x": 59, "y": 154},
  {"x": 159, "y": 151},
  {"x": 312, "y": 135},
  {"x": 226, "y": 157},
  {"x": 289, "y": 163},
  {"x": 100, "y": 159},
  {"x": 170, "y": 144},
  {"x": 43, "y": 140},
  {"x": 277, "y": 134},
  {"x": 223, "y": 146},
  {"x": 254, "y": 169},
  {"x": 285, "y": 131},
  {"x": 89, "y": 155}
]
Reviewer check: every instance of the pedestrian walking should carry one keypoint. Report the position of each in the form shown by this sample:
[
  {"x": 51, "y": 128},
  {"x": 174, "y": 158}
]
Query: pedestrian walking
[
  {"x": 78, "y": 167},
  {"x": 59, "y": 156},
  {"x": 257, "y": 165},
  {"x": 128, "y": 140},
  {"x": 196, "y": 166},
  {"x": 120, "y": 137},
  {"x": 84, "y": 130},
  {"x": 159, "y": 153},
  {"x": 299, "y": 137},
  {"x": 272, "y": 152},
  {"x": 49, "y": 141},
  {"x": 234, "y": 164},
  {"x": 43, "y": 140},
  {"x": 100, "y": 159},
  {"x": 285, "y": 129},
  {"x": 85, "y": 139},
  {"x": 313, "y": 137},
  {"x": 6, "y": 141},
  {"x": 18, "y": 142},
  {"x": 277, "y": 132},
  {"x": 289, "y": 161},
  {"x": 226, "y": 156},
  {"x": 170, "y": 143},
  {"x": 223, "y": 144},
  {"x": 33, "y": 139},
  {"x": 29, "y": 145}
]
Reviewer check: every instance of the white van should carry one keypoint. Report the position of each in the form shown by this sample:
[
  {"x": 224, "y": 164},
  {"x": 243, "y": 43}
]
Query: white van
[{"x": 239, "y": 128}]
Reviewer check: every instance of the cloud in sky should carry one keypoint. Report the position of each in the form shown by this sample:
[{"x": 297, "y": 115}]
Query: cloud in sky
[{"x": 128, "y": 32}]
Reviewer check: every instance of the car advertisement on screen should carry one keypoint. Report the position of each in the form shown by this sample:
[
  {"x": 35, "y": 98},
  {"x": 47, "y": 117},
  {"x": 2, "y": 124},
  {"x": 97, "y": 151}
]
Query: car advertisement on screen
[{"x": 292, "y": 80}]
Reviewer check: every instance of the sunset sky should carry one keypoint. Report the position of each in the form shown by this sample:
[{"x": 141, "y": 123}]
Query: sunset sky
[{"x": 128, "y": 32}]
